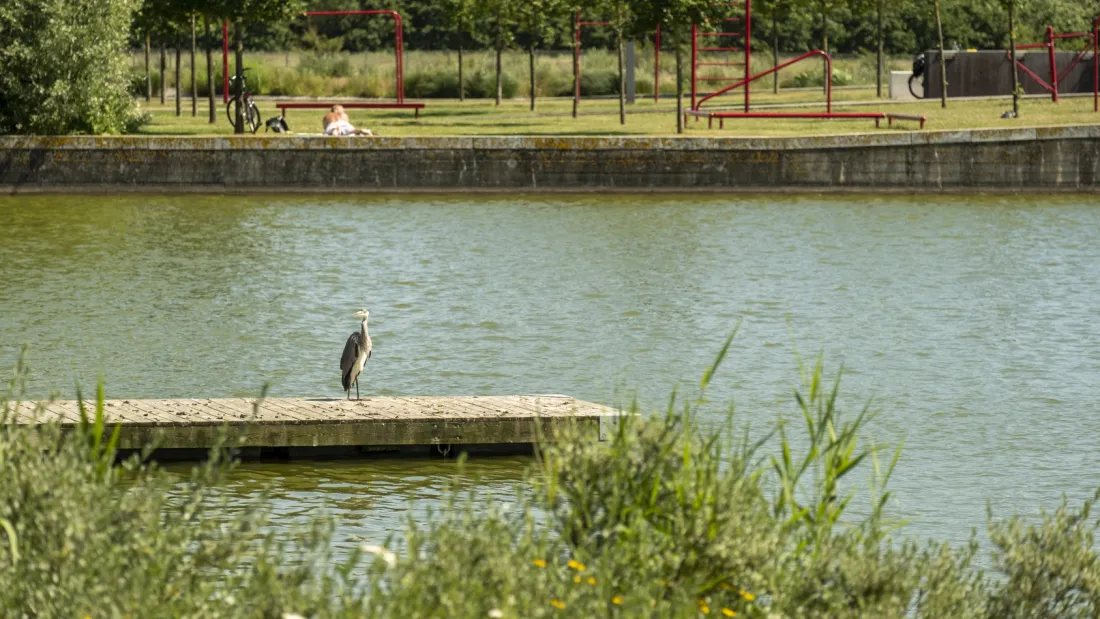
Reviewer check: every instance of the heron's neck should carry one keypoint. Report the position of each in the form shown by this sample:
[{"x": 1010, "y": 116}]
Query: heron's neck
[{"x": 363, "y": 328}]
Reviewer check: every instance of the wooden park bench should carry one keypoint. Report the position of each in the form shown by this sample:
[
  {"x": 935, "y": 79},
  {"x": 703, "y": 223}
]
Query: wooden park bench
[{"x": 890, "y": 117}]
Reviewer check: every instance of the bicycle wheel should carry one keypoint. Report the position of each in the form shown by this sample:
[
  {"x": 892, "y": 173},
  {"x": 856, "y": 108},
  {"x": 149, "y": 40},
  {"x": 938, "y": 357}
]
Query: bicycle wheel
[
  {"x": 229, "y": 112},
  {"x": 252, "y": 116}
]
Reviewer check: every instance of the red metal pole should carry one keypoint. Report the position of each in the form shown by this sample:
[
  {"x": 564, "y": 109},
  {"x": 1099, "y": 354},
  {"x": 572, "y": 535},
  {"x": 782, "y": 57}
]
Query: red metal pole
[
  {"x": 657, "y": 65},
  {"x": 694, "y": 30},
  {"x": 748, "y": 49},
  {"x": 1053, "y": 64},
  {"x": 225, "y": 61}
]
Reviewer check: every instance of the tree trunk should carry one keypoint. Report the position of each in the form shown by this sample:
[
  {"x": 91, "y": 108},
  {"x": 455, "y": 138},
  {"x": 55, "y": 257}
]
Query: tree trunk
[
  {"x": 179, "y": 108},
  {"x": 148, "y": 77},
  {"x": 880, "y": 57},
  {"x": 194, "y": 90},
  {"x": 679, "y": 86},
  {"x": 209, "y": 68},
  {"x": 238, "y": 111},
  {"x": 576, "y": 76},
  {"x": 622, "y": 81},
  {"x": 531, "y": 64},
  {"x": 1015, "y": 67},
  {"x": 461, "y": 81},
  {"x": 500, "y": 86},
  {"x": 775, "y": 48},
  {"x": 163, "y": 62},
  {"x": 943, "y": 61}
]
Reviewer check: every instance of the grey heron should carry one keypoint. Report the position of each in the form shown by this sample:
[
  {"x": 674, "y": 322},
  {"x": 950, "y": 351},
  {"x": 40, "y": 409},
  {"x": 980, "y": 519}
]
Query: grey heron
[{"x": 356, "y": 352}]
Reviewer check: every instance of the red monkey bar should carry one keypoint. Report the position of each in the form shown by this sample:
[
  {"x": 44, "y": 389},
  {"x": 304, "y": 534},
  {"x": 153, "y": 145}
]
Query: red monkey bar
[
  {"x": 399, "y": 46},
  {"x": 727, "y": 30}
]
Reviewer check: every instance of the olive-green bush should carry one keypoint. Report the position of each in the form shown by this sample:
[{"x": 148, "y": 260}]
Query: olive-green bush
[{"x": 63, "y": 67}]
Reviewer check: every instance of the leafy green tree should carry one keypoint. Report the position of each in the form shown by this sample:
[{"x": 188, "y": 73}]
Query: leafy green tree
[
  {"x": 499, "y": 18},
  {"x": 622, "y": 18},
  {"x": 460, "y": 15},
  {"x": 63, "y": 67},
  {"x": 538, "y": 23}
]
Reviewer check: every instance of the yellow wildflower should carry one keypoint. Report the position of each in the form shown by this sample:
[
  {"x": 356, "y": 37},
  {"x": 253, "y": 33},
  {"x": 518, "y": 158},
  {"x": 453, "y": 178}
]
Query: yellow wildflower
[
  {"x": 616, "y": 600},
  {"x": 540, "y": 563},
  {"x": 704, "y": 609},
  {"x": 558, "y": 604},
  {"x": 729, "y": 613},
  {"x": 577, "y": 565},
  {"x": 748, "y": 596},
  {"x": 591, "y": 580},
  {"x": 577, "y": 579}
]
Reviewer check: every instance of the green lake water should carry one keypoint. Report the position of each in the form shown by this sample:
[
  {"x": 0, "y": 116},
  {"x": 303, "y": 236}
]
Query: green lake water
[{"x": 973, "y": 322}]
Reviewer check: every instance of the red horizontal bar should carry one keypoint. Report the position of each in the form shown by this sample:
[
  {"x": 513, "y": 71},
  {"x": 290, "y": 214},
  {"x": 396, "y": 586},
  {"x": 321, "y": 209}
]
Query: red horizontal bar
[
  {"x": 720, "y": 49},
  {"x": 364, "y": 12},
  {"x": 1033, "y": 46},
  {"x": 881, "y": 115},
  {"x": 350, "y": 105}
]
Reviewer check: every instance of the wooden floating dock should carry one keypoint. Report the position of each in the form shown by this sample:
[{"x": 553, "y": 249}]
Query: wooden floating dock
[{"x": 370, "y": 424}]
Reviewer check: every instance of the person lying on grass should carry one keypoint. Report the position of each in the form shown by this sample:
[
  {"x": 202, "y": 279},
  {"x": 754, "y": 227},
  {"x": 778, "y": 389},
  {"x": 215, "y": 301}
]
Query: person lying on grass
[{"x": 336, "y": 123}]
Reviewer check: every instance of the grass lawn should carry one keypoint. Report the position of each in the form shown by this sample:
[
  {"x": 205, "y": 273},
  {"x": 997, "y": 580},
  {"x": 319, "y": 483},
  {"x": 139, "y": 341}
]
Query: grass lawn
[{"x": 600, "y": 117}]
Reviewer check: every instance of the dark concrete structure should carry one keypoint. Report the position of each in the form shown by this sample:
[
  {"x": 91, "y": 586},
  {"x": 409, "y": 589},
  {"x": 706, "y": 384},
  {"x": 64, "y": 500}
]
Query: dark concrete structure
[
  {"x": 1037, "y": 159},
  {"x": 988, "y": 73}
]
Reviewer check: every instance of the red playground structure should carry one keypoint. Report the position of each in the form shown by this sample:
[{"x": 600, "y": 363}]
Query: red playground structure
[
  {"x": 1092, "y": 44},
  {"x": 729, "y": 46}
]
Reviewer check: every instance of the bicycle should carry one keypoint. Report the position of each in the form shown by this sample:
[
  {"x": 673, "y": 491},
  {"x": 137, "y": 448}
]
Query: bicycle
[{"x": 249, "y": 110}]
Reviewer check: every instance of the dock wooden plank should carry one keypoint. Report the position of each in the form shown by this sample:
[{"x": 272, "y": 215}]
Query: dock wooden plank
[{"x": 330, "y": 422}]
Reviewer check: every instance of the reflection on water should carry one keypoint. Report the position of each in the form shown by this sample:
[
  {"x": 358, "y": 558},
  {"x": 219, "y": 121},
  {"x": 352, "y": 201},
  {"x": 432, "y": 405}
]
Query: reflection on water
[
  {"x": 373, "y": 498},
  {"x": 973, "y": 321}
]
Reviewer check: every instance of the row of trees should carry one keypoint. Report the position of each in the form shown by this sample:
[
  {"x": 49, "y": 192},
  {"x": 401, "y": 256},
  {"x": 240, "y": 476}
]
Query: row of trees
[{"x": 884, "y": 26}]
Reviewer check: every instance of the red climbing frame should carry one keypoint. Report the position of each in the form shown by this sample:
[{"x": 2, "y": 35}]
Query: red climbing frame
[
  {"x": 577, "y": 23},
  {"x": 1092, "y": 40},
  {"x": 724, "y": 44},
  {"x": 399, "y": 46},
  {"x": 723, "y": 41}
]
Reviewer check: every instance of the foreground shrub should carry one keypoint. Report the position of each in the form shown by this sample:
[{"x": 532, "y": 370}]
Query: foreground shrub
[
  {"x": 668, "y": 518},
  {"x": 63, "y": 67},
  {"x": 84, "y": 537}
]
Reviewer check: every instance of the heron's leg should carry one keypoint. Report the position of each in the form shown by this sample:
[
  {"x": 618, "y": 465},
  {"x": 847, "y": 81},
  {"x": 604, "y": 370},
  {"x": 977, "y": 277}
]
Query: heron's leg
[{"x": 356, "y": 387}]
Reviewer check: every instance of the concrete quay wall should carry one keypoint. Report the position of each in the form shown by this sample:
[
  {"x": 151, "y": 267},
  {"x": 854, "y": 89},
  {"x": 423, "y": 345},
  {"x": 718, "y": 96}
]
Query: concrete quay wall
[{"x": 1005, "y": 160}]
